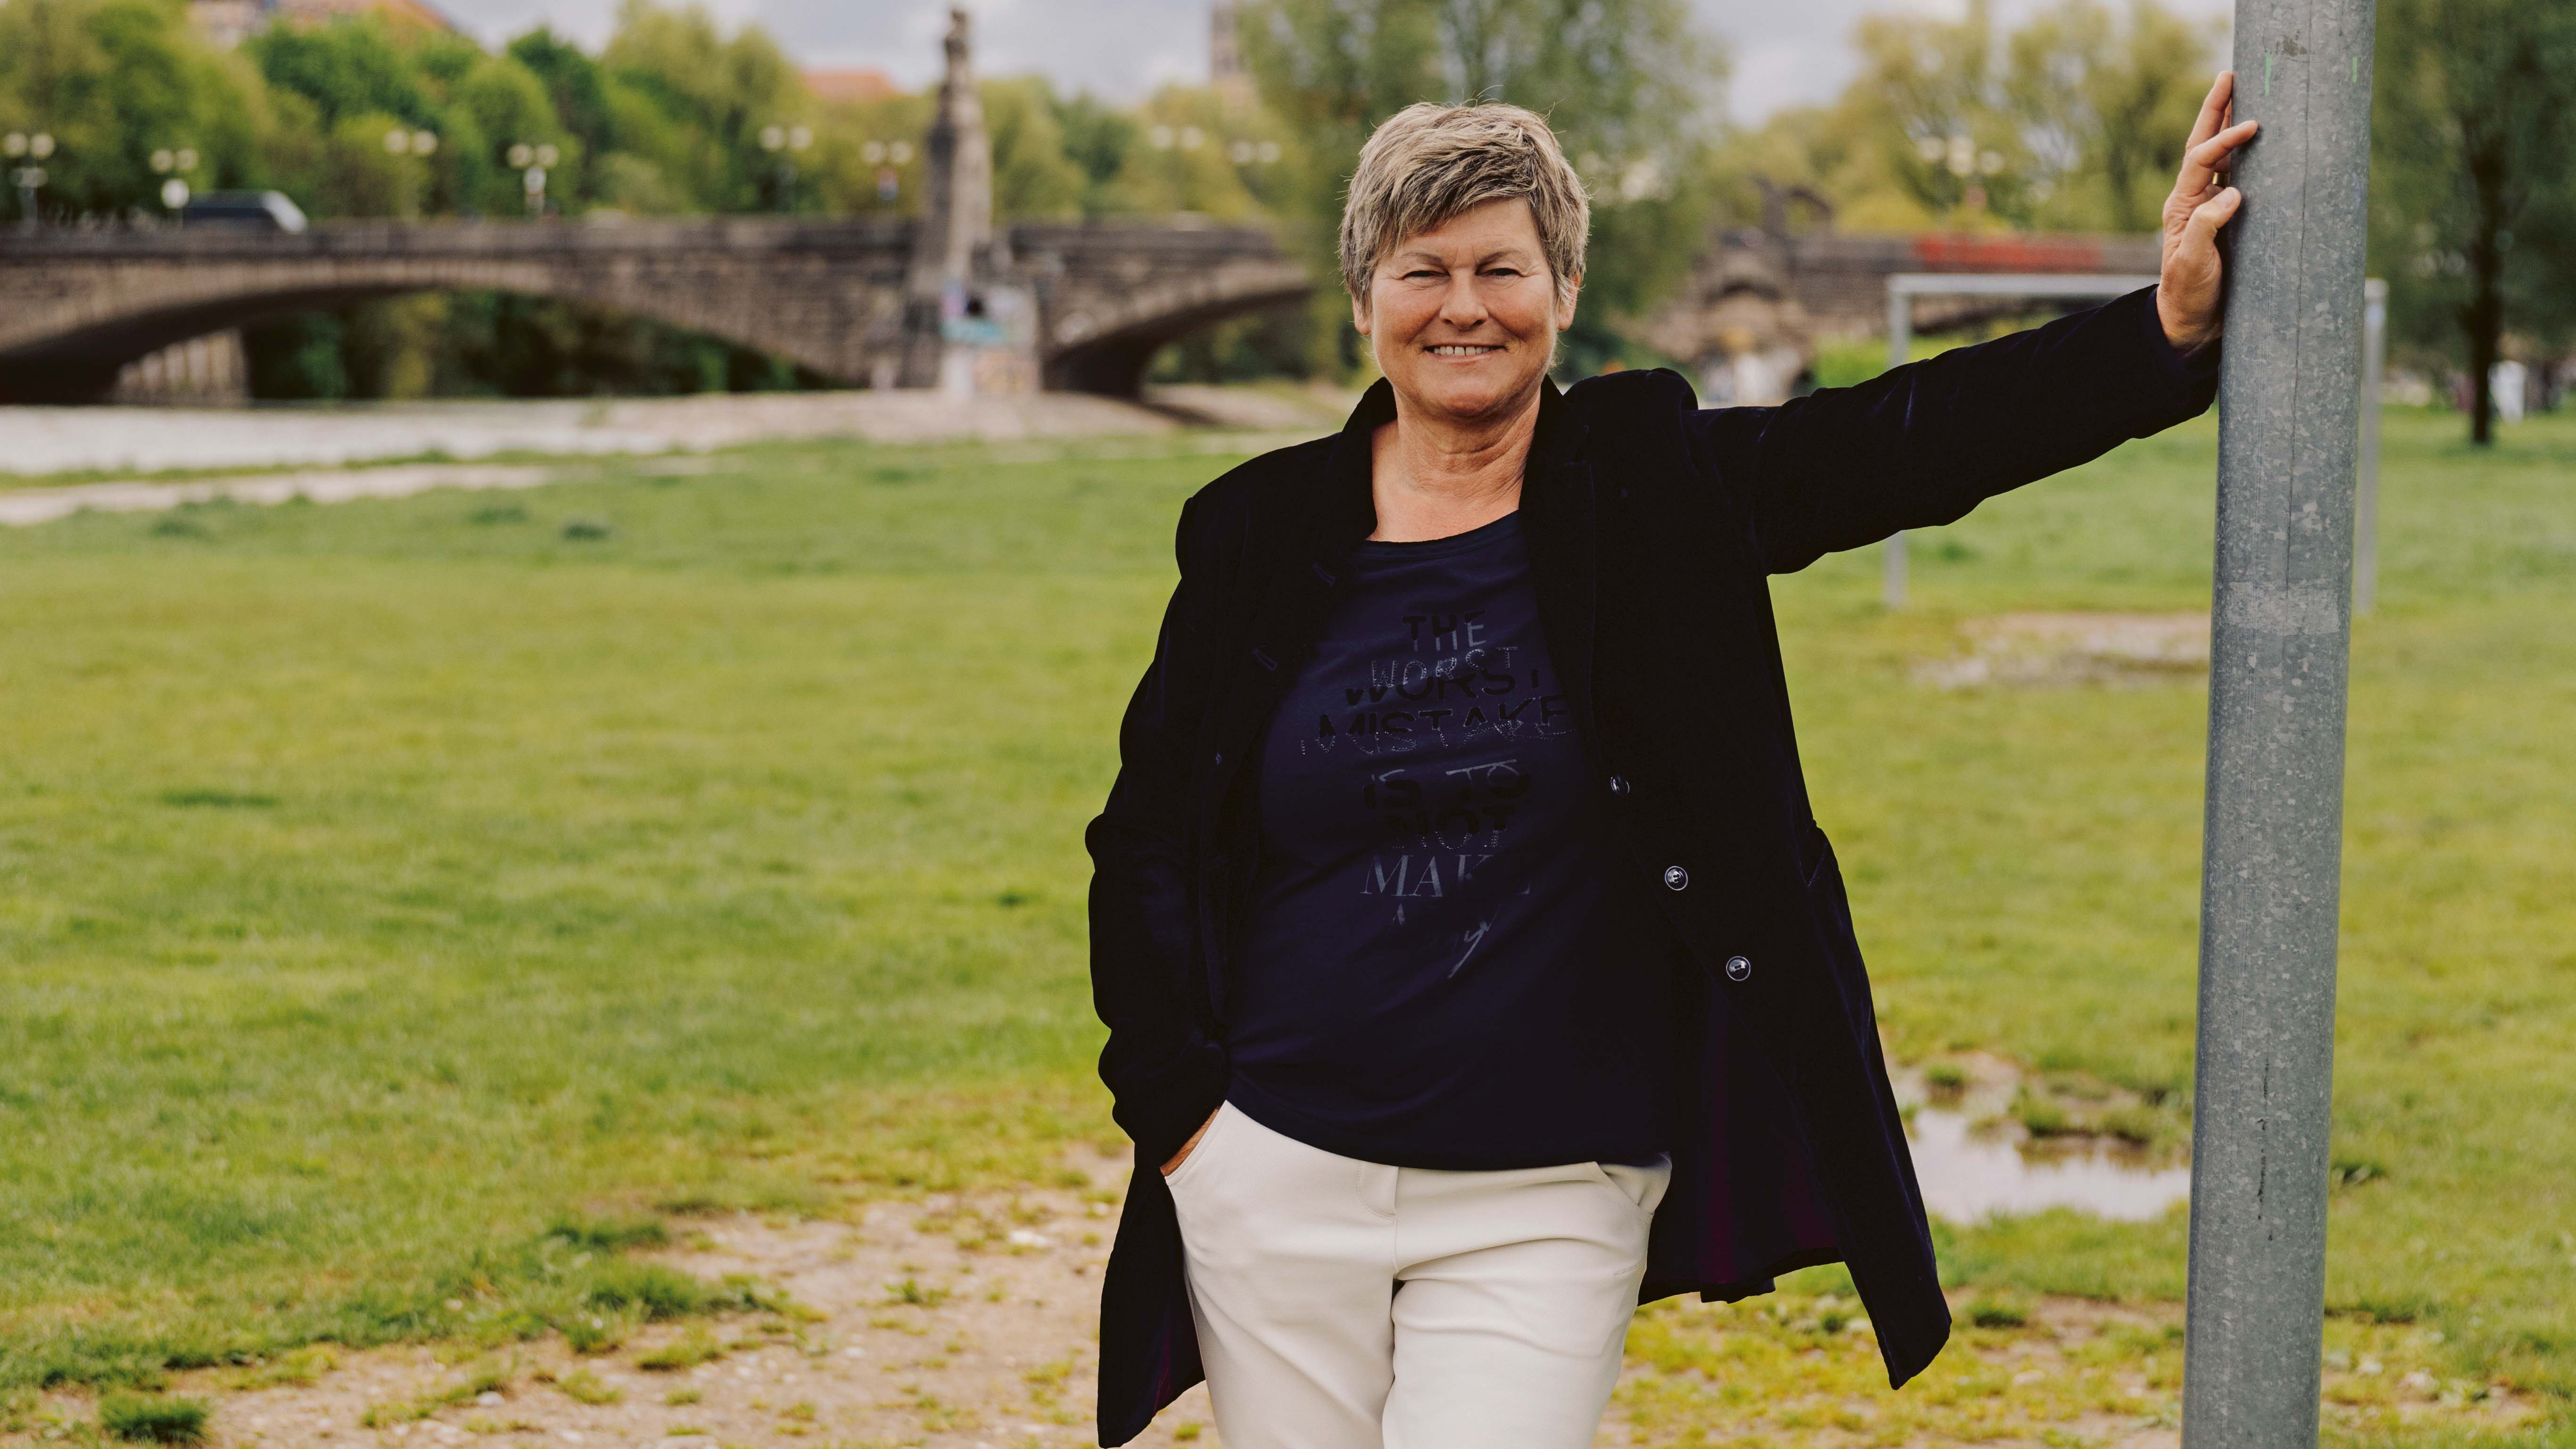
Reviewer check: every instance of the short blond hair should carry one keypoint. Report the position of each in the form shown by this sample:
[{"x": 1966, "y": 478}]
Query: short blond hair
[{"x": 1428, "y": 164}]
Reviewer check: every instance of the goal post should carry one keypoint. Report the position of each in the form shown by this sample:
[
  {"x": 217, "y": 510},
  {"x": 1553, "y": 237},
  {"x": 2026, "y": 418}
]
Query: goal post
[{"x": 1904, "y": 287}]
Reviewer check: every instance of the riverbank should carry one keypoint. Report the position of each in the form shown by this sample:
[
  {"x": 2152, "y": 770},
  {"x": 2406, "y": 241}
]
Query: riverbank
[{"x": 36, "y": 442}]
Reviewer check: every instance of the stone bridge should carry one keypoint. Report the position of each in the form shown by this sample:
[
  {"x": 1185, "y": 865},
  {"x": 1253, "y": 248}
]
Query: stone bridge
[{"x": 1096, "y": 300}]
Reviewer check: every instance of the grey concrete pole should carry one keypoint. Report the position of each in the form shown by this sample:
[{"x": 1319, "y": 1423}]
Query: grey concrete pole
[
  {"x": 1900, "y": 341},
  {"x": 2365, "y": 508},
  {"x": 2280, "y": 637}
]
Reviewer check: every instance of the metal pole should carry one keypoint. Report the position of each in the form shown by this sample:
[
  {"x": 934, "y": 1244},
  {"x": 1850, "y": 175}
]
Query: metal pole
[
  {"x": 2280, "y": 638},
  {"x": 1900, "y": 341},
  {"x": 2365, "y": 508}
]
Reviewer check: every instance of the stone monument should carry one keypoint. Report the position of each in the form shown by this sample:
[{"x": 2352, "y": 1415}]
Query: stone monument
[{"x": 960, "y": 328}]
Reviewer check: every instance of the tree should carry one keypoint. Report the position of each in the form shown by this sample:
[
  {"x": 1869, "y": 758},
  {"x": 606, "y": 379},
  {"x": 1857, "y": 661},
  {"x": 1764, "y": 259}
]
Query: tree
[
  {"x": 2075, "y": 121},
  {"x": 1033, "y": 178},
  {"x": 2474, "y": 134},
  {"x": 705, "y": 99},
  {"x": 348, "y": 68},
  {"x": 578, "y": 89},
  {"x": 508, "y": 106},
  {"x": 1098, "y": 139},
  {"x": 115, "y": 80},
  {"x": 2110, "y": 105}
]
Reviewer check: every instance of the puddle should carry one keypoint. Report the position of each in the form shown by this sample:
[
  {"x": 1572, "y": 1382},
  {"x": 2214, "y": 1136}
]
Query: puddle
[
  {"x": 2074, "y": 648},
  {"x": 1968, "y": 1173},
  {"x": 1975, "y": 1160}
]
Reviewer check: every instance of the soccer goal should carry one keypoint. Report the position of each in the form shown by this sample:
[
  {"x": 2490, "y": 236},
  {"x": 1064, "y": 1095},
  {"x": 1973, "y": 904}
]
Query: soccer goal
[{"x": 1904, "y": 287}]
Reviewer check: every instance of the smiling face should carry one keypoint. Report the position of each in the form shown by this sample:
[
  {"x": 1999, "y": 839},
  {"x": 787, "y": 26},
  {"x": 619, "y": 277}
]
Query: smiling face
[{"x": 1464, "y": 317}]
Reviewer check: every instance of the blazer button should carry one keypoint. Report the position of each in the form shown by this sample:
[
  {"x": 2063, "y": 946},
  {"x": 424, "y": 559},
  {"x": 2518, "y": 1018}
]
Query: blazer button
[
  {"x": 1737, "y": 968},
  {"x": 1619, "y": 786},
  {"x": 1676, "y": 878}
]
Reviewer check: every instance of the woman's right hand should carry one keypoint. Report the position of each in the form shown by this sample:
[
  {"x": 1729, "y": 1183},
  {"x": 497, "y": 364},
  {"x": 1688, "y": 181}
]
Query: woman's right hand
[{"x": 1188, "y": 1147}]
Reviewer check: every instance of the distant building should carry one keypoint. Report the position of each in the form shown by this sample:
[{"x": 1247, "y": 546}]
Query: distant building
[
  {"x": 1225, "y": 53},
  {"x": 851, "y": 85},
  {"x": 230, "y": 22}
]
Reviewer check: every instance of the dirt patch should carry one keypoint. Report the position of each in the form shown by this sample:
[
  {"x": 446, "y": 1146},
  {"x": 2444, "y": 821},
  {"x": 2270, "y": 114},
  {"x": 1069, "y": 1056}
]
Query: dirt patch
[
  {"x": 2044, "y": 650},
  {"x": 968, "y": 1322}
]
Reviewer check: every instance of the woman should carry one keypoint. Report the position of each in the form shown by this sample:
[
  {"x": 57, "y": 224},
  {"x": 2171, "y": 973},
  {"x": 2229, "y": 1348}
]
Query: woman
[{"x": 1472, "y": 963}]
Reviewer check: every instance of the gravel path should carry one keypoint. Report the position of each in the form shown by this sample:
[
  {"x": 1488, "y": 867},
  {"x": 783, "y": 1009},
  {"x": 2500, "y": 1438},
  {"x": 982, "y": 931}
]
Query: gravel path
[
  {"x": 145, "y": 440},
  {"x": 23, "y": 507}
]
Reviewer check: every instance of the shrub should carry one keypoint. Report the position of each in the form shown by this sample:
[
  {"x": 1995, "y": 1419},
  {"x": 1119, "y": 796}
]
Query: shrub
[
  {"x": 1994, "y": 1313},
  {"x": 689, "y": 1350},
  {"x": 2040, "y": 1116},
  {"x": 610, "y": 1234},
  {"x": 588, "y": 1333},
  {"x": 150, "y": 1420},
  {"x": 652, "y": 1289},
  {"x": 584, "y": 1387}
]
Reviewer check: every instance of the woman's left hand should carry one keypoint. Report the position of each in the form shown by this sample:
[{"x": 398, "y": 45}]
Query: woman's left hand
[{"x": 2187, "y": 294}]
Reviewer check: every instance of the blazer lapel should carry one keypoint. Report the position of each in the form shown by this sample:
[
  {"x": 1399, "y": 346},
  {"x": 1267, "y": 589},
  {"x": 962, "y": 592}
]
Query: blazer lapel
[
  {"x": 1560, "y": 523},
  {"x": 1302, "y": 541}
]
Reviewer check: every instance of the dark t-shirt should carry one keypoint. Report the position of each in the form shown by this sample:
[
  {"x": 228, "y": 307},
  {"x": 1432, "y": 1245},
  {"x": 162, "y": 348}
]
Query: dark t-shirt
[{"x": 1446, "y": 963}]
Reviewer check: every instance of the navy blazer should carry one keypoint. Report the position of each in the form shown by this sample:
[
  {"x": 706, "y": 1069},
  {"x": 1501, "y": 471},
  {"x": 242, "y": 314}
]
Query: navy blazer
[{"x": 1653, "y": 528}]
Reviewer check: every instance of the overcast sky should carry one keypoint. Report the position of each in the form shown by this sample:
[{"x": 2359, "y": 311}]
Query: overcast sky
[{"x": 1786, "y": 51}]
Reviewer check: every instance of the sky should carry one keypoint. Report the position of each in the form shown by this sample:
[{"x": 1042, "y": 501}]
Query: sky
[{"x": 1787, "y": 52}]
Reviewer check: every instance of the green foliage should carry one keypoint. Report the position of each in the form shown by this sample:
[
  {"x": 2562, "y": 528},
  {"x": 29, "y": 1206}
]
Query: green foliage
[
  {"x": 2110, "y": 105},
  {"x": 585, "y": 1387},
  {"x": 1098, "y": 139},
  {"x": 611, "y": 1234},
  {"x": 651, "y": 1290},
  {"x": 693, "y": 101},
  {"x": 2074, "y": 121},
  {"x": 1032, "y": 174},
  {"x": 149, "y": 1419},
  {"x": 114, "y": 80},
  {"x": 343, "y": 70},
  {"x": 1996, "y": 1313},
  {"x": 2473, "y": 190},
  {"x": 692, "y": 1348}
]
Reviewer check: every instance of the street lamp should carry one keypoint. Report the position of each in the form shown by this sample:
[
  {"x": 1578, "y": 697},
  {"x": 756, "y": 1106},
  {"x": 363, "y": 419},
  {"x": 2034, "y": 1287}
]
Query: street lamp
[
  {"x": 784, "y": 142},
  {"x": 532, "y": 163},
  {"x": 175, "y": 164},
  {"x": 30, "y": 178},
  {"x": 885, "y": 156},
  {"x": 400, "y": 142}
]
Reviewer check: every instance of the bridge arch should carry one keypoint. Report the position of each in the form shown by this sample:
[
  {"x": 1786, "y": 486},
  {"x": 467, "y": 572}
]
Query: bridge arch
[
  {"x": 1106, "y": 346},
  {"x": 818, "y": 296},
  {"x": 828, "y": 295}
]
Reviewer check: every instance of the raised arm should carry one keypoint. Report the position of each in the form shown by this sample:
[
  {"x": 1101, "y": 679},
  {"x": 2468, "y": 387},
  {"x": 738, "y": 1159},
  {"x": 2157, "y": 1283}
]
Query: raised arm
[
  {"x": 1164, "y": 1073},
  {"x": 1922, "y": 444}
]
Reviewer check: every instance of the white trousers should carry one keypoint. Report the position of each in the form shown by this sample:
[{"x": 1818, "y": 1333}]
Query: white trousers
[{"x": 1348, "y": 1305}]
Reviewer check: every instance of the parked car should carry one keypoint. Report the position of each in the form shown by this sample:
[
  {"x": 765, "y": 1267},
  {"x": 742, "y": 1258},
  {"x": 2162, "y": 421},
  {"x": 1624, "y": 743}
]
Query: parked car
[{"x": 258, "y": 210}]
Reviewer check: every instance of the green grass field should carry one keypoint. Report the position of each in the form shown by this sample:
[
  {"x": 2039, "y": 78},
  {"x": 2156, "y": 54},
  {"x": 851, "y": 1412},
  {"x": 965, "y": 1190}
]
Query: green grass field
[{"x": 393, "y": 893}]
